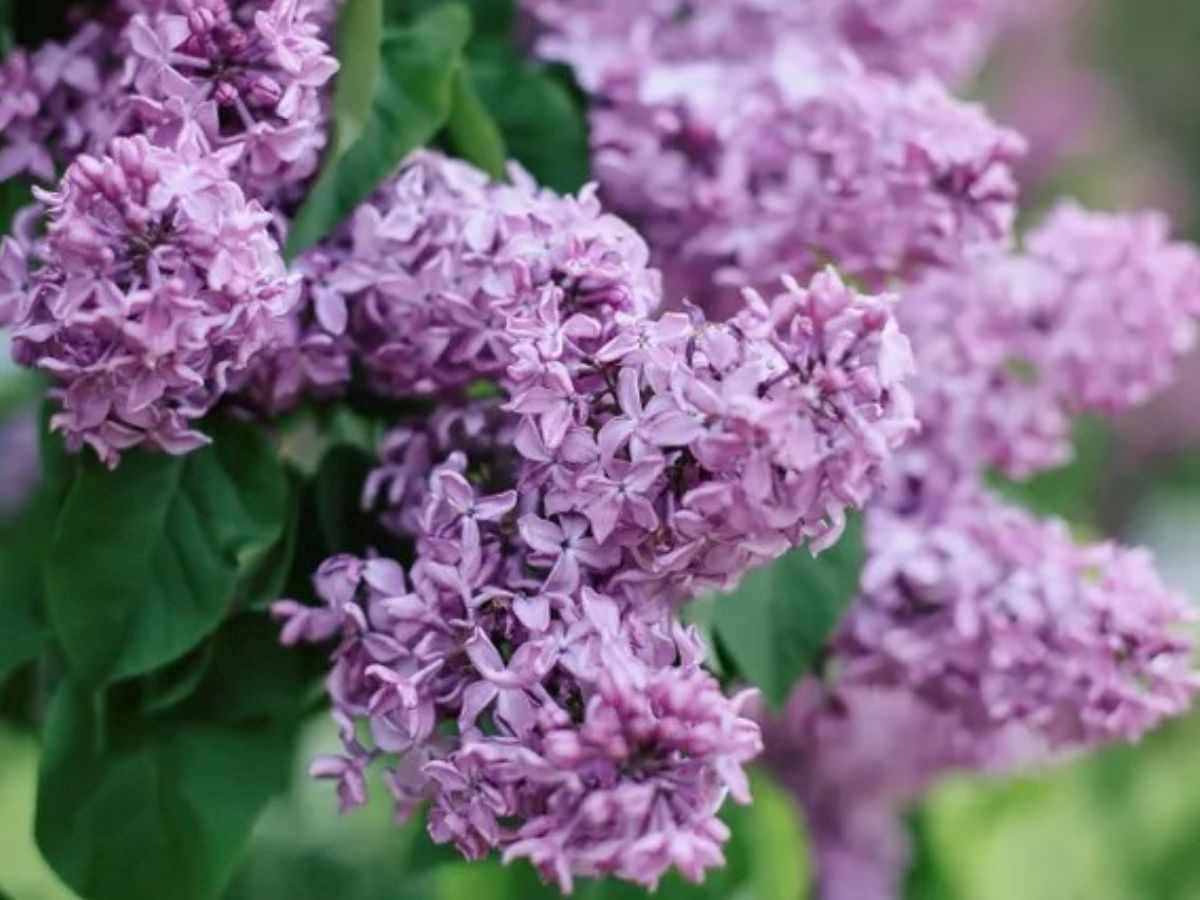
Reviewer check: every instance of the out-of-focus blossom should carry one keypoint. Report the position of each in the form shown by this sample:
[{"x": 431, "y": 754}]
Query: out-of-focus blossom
[
  {"x": 855, "y": 758},
  {"x": 1093, "y": 316},
  {"x": 816, "y": 160},
  {"x": 19, "y": 461},
  {"x": 156, "y": 285},
  {"x": 999, "y": 619}
]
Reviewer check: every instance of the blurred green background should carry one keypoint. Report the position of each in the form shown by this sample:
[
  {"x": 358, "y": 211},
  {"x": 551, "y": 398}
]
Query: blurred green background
[{"x": 1123, "y": 824}]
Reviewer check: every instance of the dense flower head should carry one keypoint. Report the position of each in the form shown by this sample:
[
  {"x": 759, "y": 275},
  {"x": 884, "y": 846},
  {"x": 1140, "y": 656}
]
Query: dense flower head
[
  {"x": 155, "y": 287},
  {"x": 588, "y": 737},
  {"x": 441, "y": 261},
  {"x": 986, "y": 613},
  {"x": 1092, "y": 316},
  {"x": 247, "y": 72},
  {"x": 702, "y": 449},
  {"x": 52, "y": 102},
  {"x": 818, "y": 159}
]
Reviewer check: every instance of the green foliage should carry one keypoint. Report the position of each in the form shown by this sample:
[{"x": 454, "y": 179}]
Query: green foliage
[
  {"x": 541, "y": 119},
  {"x": 471, "y": 130},
  {"x": 141, "y": 809},
  {"x": 148, "y": 559},
  {"x": 411, "y": 98},
  {"x": 774, "y": 626}
]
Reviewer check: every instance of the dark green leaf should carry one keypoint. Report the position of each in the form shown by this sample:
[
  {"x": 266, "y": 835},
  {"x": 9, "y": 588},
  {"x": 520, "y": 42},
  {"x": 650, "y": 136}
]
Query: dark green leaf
[
  {"x": 24, "y": 631},
  {"x": 148, "y": 810},
  {"x": 472, "y": 132},
  {"x": 409, "y": 105},
  {"x": 775, "y": 625},
  {"x": 345, "y": 526},
  {"x": 14, "y": 192},
  {"x": 542, "y": 122},
  {"x": 252, "y": 678},
  {"x": 148, "y": 559}
]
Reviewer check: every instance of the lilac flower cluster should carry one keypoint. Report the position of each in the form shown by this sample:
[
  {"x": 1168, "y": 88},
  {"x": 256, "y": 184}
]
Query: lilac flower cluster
[
  {"x": 633, "y": 463},
  {"x": 995, "y": 617},
  {"x": 589, "y": 739},
  {"x": 154, "y": 287},
  {"x": 818, "y": 159},
  {"x": 188, "y": 128},
  {"x": 1091, "y": 317}
]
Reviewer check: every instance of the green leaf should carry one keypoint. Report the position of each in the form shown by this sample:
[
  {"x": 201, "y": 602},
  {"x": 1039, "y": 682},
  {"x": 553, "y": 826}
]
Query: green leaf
[
  {"x": 141, "y": 810},
  {"x": 14, "y": 192},
  {"x": 541, "y": 120},
  {"x": 252, "y": 678},
  {"x": 410, "y": 103},
  {"x": 24, "y": 631},
  {"x": 472, "y": 132},
  {"x": 775, "y": 625},
  {"x": 148, "y": 559}
]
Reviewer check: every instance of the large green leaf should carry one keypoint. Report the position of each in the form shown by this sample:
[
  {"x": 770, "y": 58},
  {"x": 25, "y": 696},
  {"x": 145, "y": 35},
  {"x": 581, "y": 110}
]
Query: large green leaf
[
  {"x": 411, "y": 101},
  {"x": 24, "y": 631},
  {"x": 775, "y": 625},
  {"x": 472, "y": 132},
  {"x": 148, "y": 559},
  {"x": 541, "y": 119},
  {"x": 150, "y": 809}
]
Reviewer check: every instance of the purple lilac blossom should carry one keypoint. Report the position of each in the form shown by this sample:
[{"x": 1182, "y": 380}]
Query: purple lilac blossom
[
  {"x": 248, "y": 73},
  {"x": 1092, "y": 316},
  {"x": 855, "y": 758},
  {"x": 999, "y": 619},
  {"x": 156, "y": 285},
  {"x": 816, "y": 160},
  {"x": 630, "y": 463},
  {"x": 53, "y": 102},
  {"x": 589, "y": 738}
]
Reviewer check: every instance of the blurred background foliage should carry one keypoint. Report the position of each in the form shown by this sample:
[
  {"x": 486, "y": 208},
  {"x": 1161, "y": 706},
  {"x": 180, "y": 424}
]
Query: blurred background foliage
[{"x": 1123, "y": 824}]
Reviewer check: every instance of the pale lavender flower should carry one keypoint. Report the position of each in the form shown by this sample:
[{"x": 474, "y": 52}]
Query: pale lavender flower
[
  {"x": 247, "y": 73},
  {"x": 996, "y": 618},
  {"x": 1092, "y": 317},
  {"x": 156, "y": 285},
  {"x": 816, "y": 160}
]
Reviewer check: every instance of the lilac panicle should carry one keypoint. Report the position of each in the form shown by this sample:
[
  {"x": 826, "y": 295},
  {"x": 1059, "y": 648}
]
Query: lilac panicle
[
  {"x": 986, "y": 613},
  {"x": 1092, "y": 316},
  {"x": 155, "y": 287},
  {"x": 629, "y": 463},
  {"x": 817, "y": 160},
  {"x": 251, "y": 74}
]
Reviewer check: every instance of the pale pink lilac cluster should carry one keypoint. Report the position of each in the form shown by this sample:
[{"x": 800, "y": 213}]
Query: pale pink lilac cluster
[
  {"x": 746, "y": 143},
  {"x": 986, "y": 613},
  {"x": 155, "y": 285},
  {"x": 1092, "y": 315}
]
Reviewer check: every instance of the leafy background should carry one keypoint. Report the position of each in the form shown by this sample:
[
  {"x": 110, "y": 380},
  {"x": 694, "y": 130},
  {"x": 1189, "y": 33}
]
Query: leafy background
[{"x": 171, "y": 768}]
